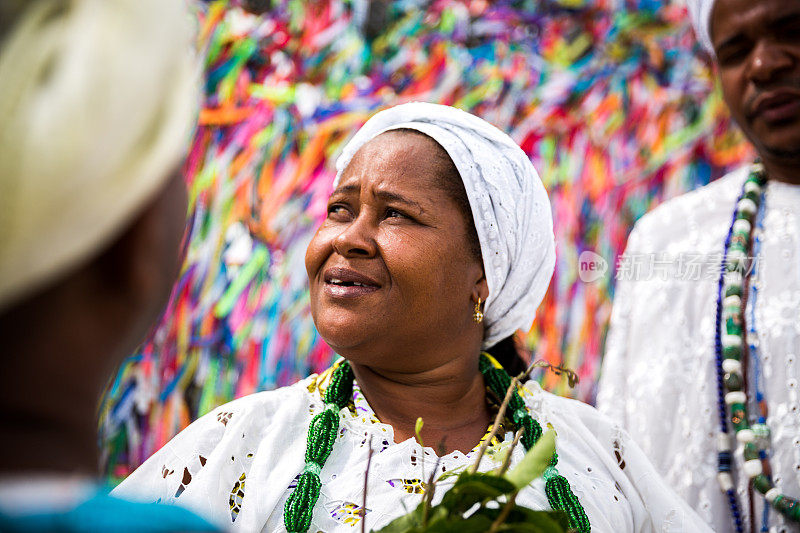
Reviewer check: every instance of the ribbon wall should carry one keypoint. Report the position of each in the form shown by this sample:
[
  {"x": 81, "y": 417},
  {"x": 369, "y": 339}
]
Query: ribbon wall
[{"x": 614, "y": 102}]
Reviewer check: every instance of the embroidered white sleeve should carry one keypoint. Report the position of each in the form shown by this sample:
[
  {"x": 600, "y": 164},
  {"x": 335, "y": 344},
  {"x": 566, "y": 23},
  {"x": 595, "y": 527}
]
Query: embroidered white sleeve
[{"x": 208, "y": 467}]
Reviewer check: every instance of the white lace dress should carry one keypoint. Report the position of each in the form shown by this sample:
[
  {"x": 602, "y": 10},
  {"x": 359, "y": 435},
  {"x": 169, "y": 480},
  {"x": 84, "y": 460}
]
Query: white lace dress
[
  {"x": 238, "y": 464},
  {"x": 659, "y": 374}
]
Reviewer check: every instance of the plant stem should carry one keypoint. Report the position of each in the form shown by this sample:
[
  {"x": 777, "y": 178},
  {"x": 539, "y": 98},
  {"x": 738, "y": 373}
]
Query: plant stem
[
  {"x": 572, "y": 377},
  {"x": 507, "y": 460},
  {"x": 418, "y": 432},
  {"x": 366, "y": 478},
  {"x": 495, "y": 425},
  {"x": 429, "y": 491},
  {"x": 503, "y": 513},
  {"x": 535, "y": 364}
]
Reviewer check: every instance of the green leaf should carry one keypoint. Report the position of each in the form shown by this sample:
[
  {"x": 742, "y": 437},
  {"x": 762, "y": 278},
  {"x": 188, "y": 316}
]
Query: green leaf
[
  {"x": 540, "y": 526},
  {"x": 470, "y": 489},
  {"x": 406, "y": 523},
  {"x": 526, "y": 520},
  {"x": 473, "y": 524},
  {"x": 501, "y": 457},
  {"x": 547, "y": 521},
  {"x": 535, "y": 462},
  {"x": 476, "y": 488},
  {"x": 494, "y": 483},
  {"x": 454, "y": 472}
]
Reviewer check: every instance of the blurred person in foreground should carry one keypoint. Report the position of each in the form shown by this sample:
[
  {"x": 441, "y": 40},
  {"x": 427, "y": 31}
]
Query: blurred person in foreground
[
  {"x": 703, "y": 357},
  {"x": 97, "y": 103}
]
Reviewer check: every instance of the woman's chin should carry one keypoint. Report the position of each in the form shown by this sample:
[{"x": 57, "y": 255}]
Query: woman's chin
[{"x": 343, "y": 335}]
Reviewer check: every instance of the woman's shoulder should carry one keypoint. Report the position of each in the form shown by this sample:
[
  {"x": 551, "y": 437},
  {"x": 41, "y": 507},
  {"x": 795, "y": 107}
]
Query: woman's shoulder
[
  {"x": 254, "y": 412},
  {"x": 229, "y": 433},
  {"x": 262, "y": 404},
  {"x": 607, "y": 467},
  {"x": 551, "y": 404},
  {"x": 581, "y": 427}
]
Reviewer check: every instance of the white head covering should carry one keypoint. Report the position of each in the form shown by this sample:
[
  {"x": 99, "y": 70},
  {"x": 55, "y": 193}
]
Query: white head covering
[
  {"x": 97, "y": 103},
  {"x": 700, "y": 12},
  {"x": 509, "y": 205}
]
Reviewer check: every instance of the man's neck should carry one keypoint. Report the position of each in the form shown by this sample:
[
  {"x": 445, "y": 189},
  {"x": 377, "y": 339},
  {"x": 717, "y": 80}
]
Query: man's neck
[
  {"x": 785, "y": 170},
  {"x": 48, "y": 412},
  {"x": 33, "y": 447},
  {"x": 450, "y": 399},
  {"x": 59, "y": 356}
]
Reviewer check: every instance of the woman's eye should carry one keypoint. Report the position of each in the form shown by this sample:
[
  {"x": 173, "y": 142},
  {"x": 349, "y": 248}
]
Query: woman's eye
[
  {"x": 394, "y": 213},
  {"x": 337, "y": 211}
]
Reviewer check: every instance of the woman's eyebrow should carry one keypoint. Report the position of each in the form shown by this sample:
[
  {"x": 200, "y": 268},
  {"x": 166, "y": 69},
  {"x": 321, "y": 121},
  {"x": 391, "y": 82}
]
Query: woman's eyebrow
[
  {"x": 386, "y": 196},
  {"x": 394, "y": 197},
  {"x": 343, "y": 189}
]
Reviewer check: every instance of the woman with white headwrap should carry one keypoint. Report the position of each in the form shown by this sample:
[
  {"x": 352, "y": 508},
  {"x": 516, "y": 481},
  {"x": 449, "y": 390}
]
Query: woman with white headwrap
[
  {"x": 97, "y": 104},
  {"x": 438, "y": 244}
]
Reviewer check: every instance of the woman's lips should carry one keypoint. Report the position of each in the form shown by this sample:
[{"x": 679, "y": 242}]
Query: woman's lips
[
  {"x": 348, "y": 291},
  {"x": 341, "y": 282}
]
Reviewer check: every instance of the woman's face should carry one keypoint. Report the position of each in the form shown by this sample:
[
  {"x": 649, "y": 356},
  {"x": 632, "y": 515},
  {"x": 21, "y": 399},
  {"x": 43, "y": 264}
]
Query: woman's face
[{"x": 390, "y": 269}]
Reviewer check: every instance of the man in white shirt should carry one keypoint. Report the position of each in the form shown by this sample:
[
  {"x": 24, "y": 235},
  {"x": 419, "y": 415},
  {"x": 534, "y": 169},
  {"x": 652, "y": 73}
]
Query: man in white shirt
[{"x": 703, "y": 357}]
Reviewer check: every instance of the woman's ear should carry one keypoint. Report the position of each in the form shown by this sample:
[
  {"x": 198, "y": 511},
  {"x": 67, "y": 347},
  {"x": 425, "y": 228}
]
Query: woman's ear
[{"x": 480, "y": 290}]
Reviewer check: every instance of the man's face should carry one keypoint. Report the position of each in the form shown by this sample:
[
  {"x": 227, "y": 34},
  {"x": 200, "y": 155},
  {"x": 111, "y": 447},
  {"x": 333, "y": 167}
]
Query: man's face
[{"x": 757, "y": 44}]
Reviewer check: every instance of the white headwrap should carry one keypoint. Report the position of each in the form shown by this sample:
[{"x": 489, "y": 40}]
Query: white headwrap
[
  {"x": 97, "y": 103},
  {"x": 509, "y": 205},
  {"x": 700, "y": 12}
]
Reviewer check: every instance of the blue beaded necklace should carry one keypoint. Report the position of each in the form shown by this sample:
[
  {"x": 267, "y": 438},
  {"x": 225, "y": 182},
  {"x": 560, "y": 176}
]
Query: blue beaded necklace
[
  {"x": 729, "y": 351},
  {"x": 724, "y": 457},
  {"x": 760, "y": 428}
]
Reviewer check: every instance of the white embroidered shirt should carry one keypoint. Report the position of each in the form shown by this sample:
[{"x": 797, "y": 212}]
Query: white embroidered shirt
[{"x": 239, "y": 463}]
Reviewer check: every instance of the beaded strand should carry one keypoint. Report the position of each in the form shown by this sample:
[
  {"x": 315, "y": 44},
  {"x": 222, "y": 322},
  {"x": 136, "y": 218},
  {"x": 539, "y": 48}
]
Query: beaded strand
[
  {"x": 321, "y": 436},
  {"x": 324, "y": 427},
  {"x": 760, "y": 428},
  {"x": 730, "y": 348},
  {"x": 724, "y": 455},
  {"x": 559, "y": 494}
]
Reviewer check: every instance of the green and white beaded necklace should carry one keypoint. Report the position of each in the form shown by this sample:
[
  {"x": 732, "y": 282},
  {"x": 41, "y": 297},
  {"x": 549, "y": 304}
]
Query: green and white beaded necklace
[
  {"x": 730, "y": 348},
  {"x": 324, "y": 427}
]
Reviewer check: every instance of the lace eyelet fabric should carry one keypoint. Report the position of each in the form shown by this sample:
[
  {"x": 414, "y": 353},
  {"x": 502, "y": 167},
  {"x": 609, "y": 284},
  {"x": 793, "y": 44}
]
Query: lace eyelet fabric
[
  {"x": 658, "y": 378},
  {"x": 253, "y": 460}
]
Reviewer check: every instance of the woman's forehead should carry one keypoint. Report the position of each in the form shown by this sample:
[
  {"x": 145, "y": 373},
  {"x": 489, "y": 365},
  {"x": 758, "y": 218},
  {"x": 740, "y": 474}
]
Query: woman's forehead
[
  {"x": 397, "y": 144},
  {"x": 396, "y": 158},
  {"x": 421, "y": 190}
]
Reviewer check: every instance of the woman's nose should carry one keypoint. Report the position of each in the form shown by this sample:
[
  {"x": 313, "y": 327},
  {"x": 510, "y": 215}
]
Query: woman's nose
[{"x": 357, "y": 239}]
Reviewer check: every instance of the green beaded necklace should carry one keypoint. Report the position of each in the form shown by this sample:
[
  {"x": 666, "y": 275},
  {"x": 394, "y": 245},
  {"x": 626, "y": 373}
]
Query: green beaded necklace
[
  {"x": 324, "y": 427},
  {"x": 730, "y": 349}
]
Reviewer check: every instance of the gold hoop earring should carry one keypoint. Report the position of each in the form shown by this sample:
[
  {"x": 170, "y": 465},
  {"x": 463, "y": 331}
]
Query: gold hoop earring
[{"x": 477, "y": 315}]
